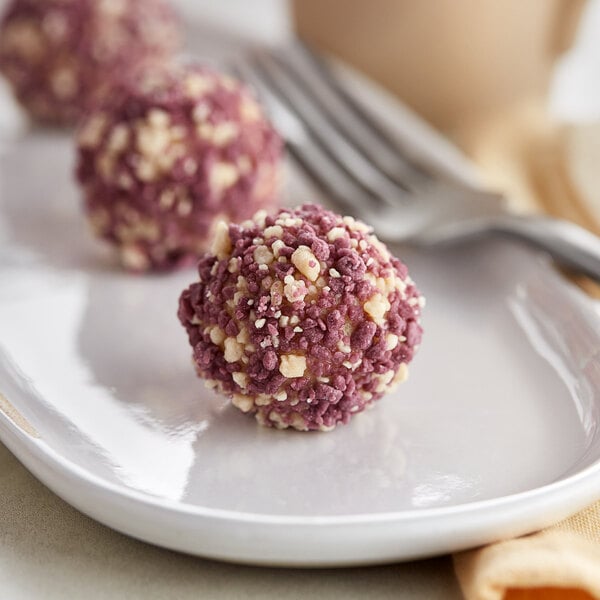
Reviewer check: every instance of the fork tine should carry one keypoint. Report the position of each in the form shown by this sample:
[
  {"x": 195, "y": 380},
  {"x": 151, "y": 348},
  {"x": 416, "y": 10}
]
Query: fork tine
[
  {"x": 325, "y": 134},
  {"x": 325, "y": 172},
  {"x": 321, "y": 69},
  {"x": 356, "y": 124}
]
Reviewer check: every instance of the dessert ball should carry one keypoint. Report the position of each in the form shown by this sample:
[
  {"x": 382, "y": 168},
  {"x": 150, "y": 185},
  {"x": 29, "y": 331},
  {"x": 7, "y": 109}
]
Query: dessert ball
[
  {"x": 303, "y": 318},
  {"x": 172, "y": 152},
  {"x": 59, "y": 54}
]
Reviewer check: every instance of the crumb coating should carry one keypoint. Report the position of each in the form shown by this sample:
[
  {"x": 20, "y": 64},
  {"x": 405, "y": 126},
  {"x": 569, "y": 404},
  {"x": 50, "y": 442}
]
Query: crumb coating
[
  {"x": 303, "y": 318},
  {"x": 171, "y": 153},
  {"x": 60, "y": 55}
]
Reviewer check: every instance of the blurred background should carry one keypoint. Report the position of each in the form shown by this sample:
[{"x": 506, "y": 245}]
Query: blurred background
[
  {"x": 575, "y": 78},
  {"x": 568, "y": 33},
  {"x": 514, "y": 83}
]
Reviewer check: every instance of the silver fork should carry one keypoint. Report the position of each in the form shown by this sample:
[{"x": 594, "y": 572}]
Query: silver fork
[{"x": 369, "y": 174}]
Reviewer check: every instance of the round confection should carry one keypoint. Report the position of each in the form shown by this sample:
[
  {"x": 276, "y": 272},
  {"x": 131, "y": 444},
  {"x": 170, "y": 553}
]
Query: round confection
[
  {"x": 168, "y": 155},
  {"x": 303, "y": 318},
  {"x": 59, "y": 54}
]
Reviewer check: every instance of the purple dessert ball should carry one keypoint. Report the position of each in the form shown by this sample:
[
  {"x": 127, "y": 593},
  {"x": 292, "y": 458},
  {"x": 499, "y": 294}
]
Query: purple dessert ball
[
  {"x": 303, "y": 318},
  {"x": 167, "y": 156},
  {"x": 58, "y": 55}
]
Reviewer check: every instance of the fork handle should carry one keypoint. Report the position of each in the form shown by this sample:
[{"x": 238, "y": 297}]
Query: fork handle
[{"x": 569, "y": 244}]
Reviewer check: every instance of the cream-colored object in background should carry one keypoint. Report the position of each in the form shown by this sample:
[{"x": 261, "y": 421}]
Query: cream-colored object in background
[
  {"x": 582, "y": 161},
  {"x": 453, "y": 61}
]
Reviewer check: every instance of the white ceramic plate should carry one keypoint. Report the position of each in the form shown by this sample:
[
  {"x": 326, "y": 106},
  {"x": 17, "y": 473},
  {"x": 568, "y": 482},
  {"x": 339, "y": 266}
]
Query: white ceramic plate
[{"x": 494, "y": 435}]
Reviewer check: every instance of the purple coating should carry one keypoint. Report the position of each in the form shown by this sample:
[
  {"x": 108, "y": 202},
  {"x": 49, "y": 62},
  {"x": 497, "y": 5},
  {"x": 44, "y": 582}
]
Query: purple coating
[
  {"x": 354, "y": 350},
  {"x": 60, "y": 56},
  {"x": 169, "y": 153}
]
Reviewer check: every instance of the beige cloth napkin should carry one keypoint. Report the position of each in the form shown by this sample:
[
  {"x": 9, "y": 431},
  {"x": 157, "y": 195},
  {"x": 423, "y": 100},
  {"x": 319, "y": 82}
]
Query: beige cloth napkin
[
  {"x": 560, "y": 563},
  {"x": 526, "y": 154}
]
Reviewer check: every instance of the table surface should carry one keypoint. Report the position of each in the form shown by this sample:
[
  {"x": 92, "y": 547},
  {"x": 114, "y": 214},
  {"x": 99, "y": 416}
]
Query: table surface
[{"x": 49, "y": 550}]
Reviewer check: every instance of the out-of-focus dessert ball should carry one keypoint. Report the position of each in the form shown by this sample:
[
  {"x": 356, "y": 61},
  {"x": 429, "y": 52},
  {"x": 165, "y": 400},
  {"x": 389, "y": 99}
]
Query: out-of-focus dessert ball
[
  {"x": 59, "y": 54},
  {"x": 169, "y": 154},
  {"x": 303, "y": 317}
]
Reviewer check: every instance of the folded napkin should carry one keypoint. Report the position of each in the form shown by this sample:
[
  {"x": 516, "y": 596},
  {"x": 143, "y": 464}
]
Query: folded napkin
[
  {"x": 544, "y": 167},
  {"x": 562, "y": 562}
]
